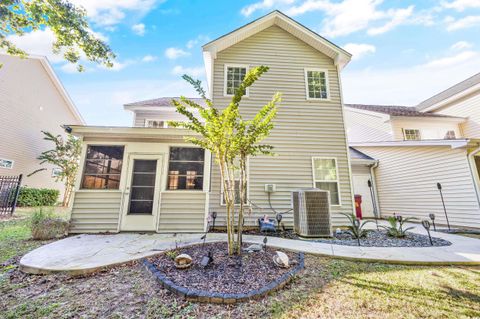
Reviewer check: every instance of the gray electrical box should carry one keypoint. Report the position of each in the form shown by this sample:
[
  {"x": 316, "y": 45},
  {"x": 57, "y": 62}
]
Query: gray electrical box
[{"x": 270, "y": 188}]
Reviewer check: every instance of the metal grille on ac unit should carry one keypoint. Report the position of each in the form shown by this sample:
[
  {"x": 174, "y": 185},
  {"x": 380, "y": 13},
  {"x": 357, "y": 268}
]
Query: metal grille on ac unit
[{"x": 311, "y": 212}]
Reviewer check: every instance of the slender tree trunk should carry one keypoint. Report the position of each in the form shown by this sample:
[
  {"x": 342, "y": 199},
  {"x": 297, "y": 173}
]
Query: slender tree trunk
[
  {"x": 243, "y": 192},
  {"x": 225, "y": 175}
]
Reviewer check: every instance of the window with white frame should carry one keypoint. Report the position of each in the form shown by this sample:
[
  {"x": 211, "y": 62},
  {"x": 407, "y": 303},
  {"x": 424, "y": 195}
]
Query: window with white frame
[
  {"x": 185, "y": 168},
  {"x": 56, "y": 172},
  {"x": 412, "y": 134},
  {"x": 316, "y": 82},
  {"x": 450, "y": 135},
  {"x": 237, "y": 189},
  {"x": 325, "y": 177},
  {"x": 234, "y": 75},
  {"x": 6, "y": 163},
  {"x": 155, "y": 123}
]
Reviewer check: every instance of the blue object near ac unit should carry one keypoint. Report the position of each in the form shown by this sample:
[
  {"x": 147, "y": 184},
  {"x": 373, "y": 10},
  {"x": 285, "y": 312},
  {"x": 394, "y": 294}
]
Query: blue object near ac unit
[{"x": 266, "y": 226}]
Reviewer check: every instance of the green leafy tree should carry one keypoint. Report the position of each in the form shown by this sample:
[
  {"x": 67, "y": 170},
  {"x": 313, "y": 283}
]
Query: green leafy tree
[
  {"x": 65, "y": 156},
  {"x": 232, "y": 140},
  {"x": 67, "y": 22}
]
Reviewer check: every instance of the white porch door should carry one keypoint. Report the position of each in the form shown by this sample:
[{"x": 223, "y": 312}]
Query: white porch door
[
  {"x": 360, "y": 187},
  {"x": 142, "y": 193}
]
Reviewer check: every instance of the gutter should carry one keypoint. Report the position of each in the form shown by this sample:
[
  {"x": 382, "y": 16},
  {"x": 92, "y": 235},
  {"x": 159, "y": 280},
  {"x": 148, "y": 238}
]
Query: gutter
[{"x": 374, "y": 185}]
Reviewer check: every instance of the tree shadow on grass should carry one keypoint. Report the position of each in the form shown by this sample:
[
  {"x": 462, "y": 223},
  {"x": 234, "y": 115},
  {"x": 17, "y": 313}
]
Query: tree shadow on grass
[{"x": 360, "y": 289}]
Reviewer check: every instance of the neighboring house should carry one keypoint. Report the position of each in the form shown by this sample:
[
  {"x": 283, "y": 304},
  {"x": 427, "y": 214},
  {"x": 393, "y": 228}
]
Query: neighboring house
[
  {"x": 414, "y": 148},
  {"x": 32, "y": 99},
  {"x": 147, "y": 178}
]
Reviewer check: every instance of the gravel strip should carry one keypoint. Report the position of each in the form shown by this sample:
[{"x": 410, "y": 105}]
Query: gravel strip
[{"x": 374, "y": 238}]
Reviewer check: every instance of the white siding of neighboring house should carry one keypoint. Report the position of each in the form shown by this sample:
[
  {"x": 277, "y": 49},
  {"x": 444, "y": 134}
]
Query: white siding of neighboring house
[
  {"x": 303, "y": 128},
  {"x": 407, "y": 180},
  {"x": 430, "y": 129},
  {"x": 468, "y": 106},
  {"x": 29, "y": 103},
  {"x": 367, "y": 126}
]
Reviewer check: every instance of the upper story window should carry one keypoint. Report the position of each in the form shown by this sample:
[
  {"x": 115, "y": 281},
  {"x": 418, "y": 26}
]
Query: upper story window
[
  {"x": 325, "y": 177},
  {"x": 103, "y": 166},
  {"x": 450, "y": 135},
  {"x": 185, "y": 168},
  {"x": 234, "y": 75},
  {"x": 6, "y": 163},
  {"x": 412, "y": 134},
  {"x": 155, "y": 123},
  {"x": 316, "y": 82}
]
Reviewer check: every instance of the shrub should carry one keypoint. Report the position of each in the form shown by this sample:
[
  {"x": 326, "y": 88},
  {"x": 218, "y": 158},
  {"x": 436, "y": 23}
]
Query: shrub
[
  {"x": 356, "y": 226},
  {"x": 32, "y": 197},
  {"x": 395, "y": 229},
  {"x": 44, "y": 225}
]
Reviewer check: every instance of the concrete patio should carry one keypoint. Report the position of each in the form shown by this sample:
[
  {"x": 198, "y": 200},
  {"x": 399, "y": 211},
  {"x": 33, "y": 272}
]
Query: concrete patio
[{"x": 88, "y": 253}]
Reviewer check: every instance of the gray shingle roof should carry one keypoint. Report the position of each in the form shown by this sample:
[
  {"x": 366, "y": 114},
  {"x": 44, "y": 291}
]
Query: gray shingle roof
[
  {"x": 164, "y": 101},
  {"x": 457, "y": 88},
  {"x": 396, "y": 110}
]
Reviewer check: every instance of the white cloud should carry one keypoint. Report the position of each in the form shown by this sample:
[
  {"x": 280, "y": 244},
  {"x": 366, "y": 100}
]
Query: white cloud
[
  {"x": 461, "y": 45},
  {"x": 348, "y": 16},
  {"x": 117, "y": 65},
  {"x": 359, "y": 50},
  {"x": 175, "y": 53},
  {"x": 139, "y": 29},
  {"x": 199, "y": 39},
  {"x": 398, "y": 17},
  {"x": 149, "y": 58},
  {"x": 194, "y": 71},
  {"x": 111, "y": 12},
  {"x": 37, "y": 42},
  {"x": 408, "y": 85},
  {"x": 462, "y": 23},
  {"x": 451, "y": 60},
  {"x": 262, "y": 5},
  {"x": 461, "y": 5}
]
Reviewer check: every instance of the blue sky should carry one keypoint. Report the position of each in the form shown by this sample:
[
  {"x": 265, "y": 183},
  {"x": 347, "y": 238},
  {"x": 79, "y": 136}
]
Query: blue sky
[{"x": 404, "y": 51}]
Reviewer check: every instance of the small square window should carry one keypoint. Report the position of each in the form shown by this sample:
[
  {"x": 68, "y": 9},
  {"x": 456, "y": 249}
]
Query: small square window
[
  {"x": 6, "y": 163},
  {"x": 233, "y": 78},
  {"x": 316, "y": 83},
  {"x": 412, "y": 134}
]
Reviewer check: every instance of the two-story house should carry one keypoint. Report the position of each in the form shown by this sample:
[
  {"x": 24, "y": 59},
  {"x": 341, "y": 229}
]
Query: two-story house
[
  {"x": 147, "y": 178},
  {"x": 32, "y": 99},
  {"x": 411, "y": 149}
]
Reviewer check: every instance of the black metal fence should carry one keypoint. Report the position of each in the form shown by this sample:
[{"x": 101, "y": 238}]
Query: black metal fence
[{"x": 9, "y": 189}]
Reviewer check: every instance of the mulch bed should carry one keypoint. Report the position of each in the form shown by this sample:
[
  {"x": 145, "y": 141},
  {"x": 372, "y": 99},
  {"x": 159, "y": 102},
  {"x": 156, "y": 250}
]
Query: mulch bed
[{"x": 227, "y": 274}]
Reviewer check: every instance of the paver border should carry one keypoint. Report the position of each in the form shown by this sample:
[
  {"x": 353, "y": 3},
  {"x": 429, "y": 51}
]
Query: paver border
[{"x": 197, "y": 295}]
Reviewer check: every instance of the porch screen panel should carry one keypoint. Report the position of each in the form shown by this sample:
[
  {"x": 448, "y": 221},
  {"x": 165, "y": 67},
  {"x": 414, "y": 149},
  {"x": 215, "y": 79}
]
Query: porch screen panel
[
  {"x": 185, "y": 168},
  {"x": 103, "y": 166},
  {"x": 142, "y": 190}
]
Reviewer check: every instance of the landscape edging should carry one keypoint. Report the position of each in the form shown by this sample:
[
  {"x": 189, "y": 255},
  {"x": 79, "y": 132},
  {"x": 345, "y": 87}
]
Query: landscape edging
[{"x": 224, "y": 298}]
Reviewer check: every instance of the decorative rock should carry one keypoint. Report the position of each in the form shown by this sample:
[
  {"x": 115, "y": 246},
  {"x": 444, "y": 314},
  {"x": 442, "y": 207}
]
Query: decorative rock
[
  {"x": 281, "y": 259},
  {"x": 183, "y": 261},
  {"x": 253, "y": 248}
]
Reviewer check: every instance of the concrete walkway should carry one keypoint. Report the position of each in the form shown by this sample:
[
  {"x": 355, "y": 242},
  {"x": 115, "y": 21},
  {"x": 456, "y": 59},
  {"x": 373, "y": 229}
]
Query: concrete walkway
[{"x": 88, "y": 253}]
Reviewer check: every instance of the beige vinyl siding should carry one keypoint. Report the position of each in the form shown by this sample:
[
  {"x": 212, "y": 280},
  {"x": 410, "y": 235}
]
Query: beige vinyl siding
[
  {"x": 407, "y": 183},
  {"x": 362, "y": 127},
  {"x": 160, "y": 113},
  {"x": 303, "y": 129},
  {"x": 360, "y": 169},
  {"x": 95, "y": 211},
  {"x": 29, "y": 103},
  {"x": 182, "y": 212},
  {"x": 430, "y": 129},
  {"x": 468, "y": 106}
]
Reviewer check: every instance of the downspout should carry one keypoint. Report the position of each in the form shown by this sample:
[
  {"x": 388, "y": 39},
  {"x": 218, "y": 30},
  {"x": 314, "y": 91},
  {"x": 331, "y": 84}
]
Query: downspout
[
  {"x": 475, "y": 177},
  {"x": 374, "y": 186}
]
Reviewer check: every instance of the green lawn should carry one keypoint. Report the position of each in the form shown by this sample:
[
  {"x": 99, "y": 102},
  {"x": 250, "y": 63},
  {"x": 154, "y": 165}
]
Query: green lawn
[
  {"x": 15, "y": 233},
  {"x": 327, "y": 288}
]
